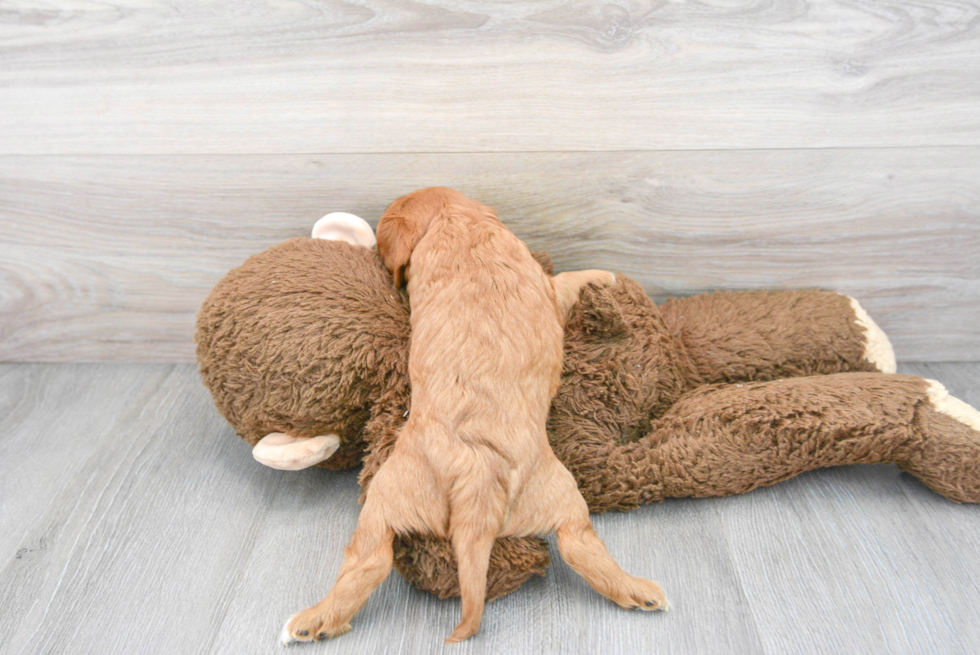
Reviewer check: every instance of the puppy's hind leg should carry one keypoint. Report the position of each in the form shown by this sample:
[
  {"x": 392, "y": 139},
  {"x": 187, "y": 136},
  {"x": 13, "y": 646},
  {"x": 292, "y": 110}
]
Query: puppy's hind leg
[
  {"x": 588, "y": 557},
  {"x": 367, "y": 562},
  {"x": 553, "y": 499}
]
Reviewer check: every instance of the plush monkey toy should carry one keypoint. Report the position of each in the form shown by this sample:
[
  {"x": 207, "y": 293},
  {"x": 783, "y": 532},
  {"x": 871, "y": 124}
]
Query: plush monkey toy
[{"x": 305, "y": 346}]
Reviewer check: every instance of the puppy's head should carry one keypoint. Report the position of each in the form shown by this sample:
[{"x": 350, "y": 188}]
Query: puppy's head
[{"x": 406, "y": 221}]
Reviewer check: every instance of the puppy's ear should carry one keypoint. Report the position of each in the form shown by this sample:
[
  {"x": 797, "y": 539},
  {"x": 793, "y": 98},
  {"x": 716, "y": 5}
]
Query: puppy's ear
[{"x": 397, "y": 237}]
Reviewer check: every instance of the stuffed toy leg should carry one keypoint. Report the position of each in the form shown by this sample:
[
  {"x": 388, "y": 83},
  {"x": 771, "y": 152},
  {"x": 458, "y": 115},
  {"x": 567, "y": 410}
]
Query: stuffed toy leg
[{"x": 724, "y": 439}]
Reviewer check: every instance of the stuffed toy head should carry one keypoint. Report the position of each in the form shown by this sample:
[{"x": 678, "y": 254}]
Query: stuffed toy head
[
  {"x": 302, "y": 341},
  {"x": 299, "y": 344}
]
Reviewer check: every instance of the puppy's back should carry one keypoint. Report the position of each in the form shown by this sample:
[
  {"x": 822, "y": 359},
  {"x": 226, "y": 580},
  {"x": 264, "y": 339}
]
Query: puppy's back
[{"x": 485, "y": 325}]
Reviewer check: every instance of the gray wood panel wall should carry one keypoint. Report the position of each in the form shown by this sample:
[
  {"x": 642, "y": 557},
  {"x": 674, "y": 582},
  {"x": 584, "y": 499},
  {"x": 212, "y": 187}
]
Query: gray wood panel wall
[{"x": 148, "y": 147}]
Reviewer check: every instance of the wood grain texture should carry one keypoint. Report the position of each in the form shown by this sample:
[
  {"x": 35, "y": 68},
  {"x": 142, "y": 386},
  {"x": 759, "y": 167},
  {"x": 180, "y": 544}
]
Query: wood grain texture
[
  {"x": 255, "y": 76},
  {"x": 47, "y": 442},
  {"x": 149, "y": 529},
  {"x": 109, "y": 258}
]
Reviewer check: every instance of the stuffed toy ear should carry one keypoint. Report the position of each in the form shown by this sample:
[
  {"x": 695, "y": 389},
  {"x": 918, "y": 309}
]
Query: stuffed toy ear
[
  {"x": 341, "y": 226},
  {"x": 286, "y": 453}
]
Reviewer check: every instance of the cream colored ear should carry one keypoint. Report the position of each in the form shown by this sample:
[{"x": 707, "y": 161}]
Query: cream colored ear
[
  {"x": 341, "y": 226},
  {"x": 286, "y": 453}
]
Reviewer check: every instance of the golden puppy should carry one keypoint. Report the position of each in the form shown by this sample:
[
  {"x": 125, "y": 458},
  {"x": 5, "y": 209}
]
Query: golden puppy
[{"x": 472, "y": 463}]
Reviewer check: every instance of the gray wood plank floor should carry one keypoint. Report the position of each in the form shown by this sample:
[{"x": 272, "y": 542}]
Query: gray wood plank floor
[{"x": 132, "y": 520}]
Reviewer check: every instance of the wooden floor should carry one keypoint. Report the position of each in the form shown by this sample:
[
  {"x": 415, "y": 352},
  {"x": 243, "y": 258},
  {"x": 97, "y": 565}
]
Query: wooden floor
[{"x": 132, "y": 520}]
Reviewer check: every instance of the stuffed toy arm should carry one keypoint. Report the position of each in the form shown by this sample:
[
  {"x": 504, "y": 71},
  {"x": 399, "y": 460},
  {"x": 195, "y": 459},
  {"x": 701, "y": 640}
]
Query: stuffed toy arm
[
  {"x": 764, "y": 335},
  {"x": 714, "y": 439}
]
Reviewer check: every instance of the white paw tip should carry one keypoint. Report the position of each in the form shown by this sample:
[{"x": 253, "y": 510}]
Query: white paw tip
[
  {"x": 341, "y": 226},
  {"x": 286, "y": 636},
  {"x": 877, "y": 348},
  {"x": 952, "y": 407},
  {"x": 285, "y": 453}
]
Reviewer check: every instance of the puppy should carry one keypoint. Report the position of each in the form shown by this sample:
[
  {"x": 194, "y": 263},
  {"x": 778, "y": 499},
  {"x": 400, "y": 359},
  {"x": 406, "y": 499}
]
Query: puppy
[{"x": 473, "y": 462}]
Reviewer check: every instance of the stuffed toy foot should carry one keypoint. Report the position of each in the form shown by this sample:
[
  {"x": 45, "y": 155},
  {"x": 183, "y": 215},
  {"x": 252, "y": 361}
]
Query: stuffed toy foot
[{"x": 947, "y": 459}]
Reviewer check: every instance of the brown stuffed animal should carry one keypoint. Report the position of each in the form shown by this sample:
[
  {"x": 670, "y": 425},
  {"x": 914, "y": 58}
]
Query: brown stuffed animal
[{"x": 304, "y": 348}]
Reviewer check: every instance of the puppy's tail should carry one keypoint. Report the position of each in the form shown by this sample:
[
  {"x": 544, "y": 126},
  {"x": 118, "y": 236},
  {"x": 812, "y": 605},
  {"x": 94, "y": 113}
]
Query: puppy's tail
[{"x": 476, "y": 517}]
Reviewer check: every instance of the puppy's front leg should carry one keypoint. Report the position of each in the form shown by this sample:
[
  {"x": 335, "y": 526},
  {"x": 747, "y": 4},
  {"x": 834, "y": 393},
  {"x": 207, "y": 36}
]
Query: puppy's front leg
[
  {"x": 567, "y": 286},
  {"x": 367, "y": 562}
]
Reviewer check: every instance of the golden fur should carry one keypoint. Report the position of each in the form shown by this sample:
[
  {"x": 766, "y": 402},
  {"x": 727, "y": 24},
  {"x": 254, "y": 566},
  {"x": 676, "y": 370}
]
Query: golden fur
[{"x": 473, "y": 461}]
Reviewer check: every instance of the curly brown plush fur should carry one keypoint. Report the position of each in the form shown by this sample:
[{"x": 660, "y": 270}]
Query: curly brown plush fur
[{"x": 704, "y": 396}]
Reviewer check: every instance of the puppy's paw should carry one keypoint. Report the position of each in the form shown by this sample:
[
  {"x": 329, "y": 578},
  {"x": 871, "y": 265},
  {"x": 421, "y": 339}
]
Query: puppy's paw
[
  {"x": 643, "y": 594},
  {"x": 603, "y": 279},
  {"x": 310, "y": 625}
]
